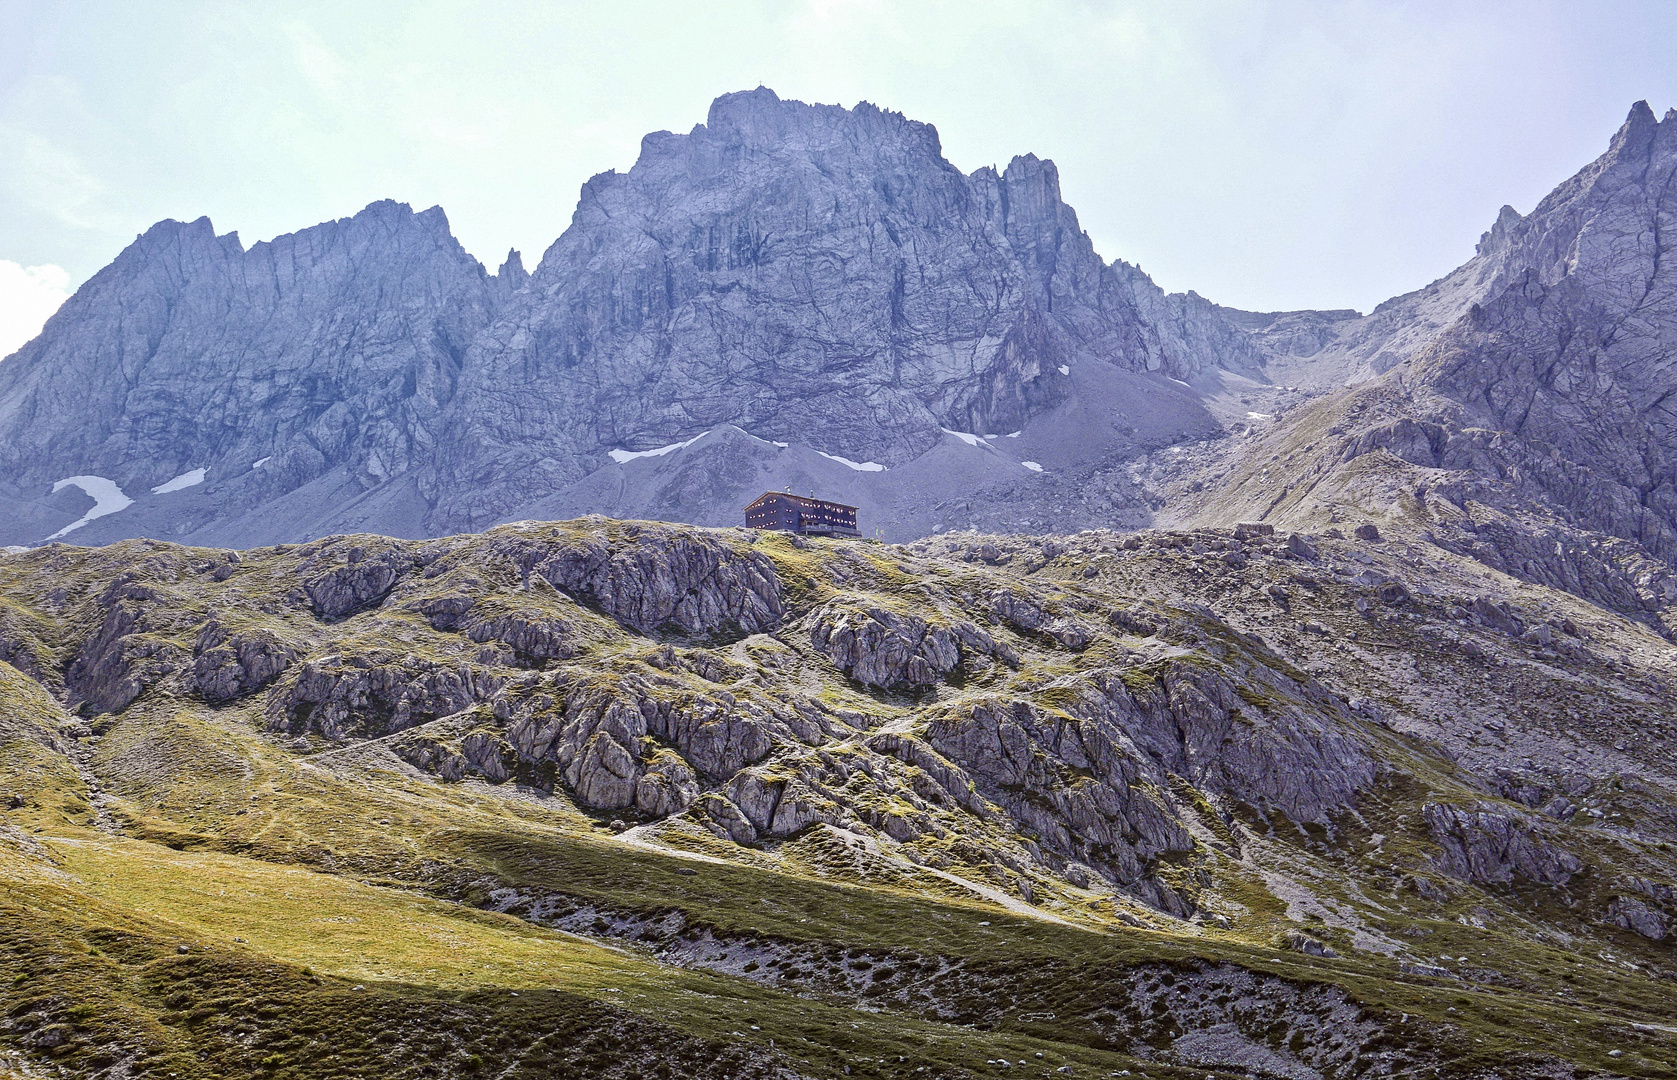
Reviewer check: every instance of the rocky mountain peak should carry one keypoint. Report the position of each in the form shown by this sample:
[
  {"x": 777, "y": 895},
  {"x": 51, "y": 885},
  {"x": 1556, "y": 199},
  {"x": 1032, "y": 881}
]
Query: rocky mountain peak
[{"x": 818, "y": 280}]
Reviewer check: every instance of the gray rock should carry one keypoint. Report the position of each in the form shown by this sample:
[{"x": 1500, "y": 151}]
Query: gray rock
[
  {"x": 693, "y": 583},
  {"x": 1301, "y": 546},
  {"x": 344, "y": 575},
  {"x": 1629, "y": 913},
  {"x": 885, "y": 649},
  {"x": 230, "y": 665},
  {"x": 375, "y": 692},
  {"x": 668, "y": 786},
  {"x": 1487, "y": 846},
  {"x": 386, "y": 381},
  {"x": 1298, "y": 941}
]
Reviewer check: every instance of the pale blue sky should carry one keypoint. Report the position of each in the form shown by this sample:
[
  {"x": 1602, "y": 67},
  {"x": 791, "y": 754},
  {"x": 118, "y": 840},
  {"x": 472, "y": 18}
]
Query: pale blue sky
[{"x": 1266, "y": 154}]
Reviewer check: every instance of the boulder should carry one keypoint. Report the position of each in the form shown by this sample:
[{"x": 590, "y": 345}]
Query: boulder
[{"x": 1630, "y": 913}]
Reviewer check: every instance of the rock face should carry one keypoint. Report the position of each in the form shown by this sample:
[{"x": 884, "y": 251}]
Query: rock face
[
  {"x": 332, "y": 352},
  {"x": 1568, "y": 355},
  {"x": 230, "y": 665},
  {"x": 1486, "y": 846},
  {"x": 807, "y": 273},
  {"x": 885, "y": 649},
  {"x": 1516, "y": 411}
]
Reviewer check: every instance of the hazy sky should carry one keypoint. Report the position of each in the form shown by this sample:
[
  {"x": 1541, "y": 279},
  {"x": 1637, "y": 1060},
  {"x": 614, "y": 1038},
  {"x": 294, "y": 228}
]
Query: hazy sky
[{"x": 1266, "y": 154}]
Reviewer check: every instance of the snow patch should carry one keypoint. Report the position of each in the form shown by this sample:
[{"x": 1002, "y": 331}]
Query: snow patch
[
  {"x": 259, "y": 462},
  {"x": 1179, "y": 382},
  {"x": 1257, "y": 416},
  {"x": 771, "y": 442},
  {"x": 1031, "y": 465},
  {"x": 107, "y": 499},
  {"x": 1065, "y": 370},
  {"x": 965, "y": 436},
  {"x": 859, "y": 466},
  {"x": 1014, "y": 434},
  {"x": 621, "y": 456},
  {"x": 185, "y": 480}
]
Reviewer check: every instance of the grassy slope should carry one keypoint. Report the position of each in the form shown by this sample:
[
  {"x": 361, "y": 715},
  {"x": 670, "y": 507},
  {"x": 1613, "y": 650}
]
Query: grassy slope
[{"x": 343, "y": 877}]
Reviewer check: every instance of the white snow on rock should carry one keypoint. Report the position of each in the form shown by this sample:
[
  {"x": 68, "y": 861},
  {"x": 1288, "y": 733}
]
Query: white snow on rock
[
  {"x": 771, "y": 442},
  {"x": 107, "y": 499},
  {"x": 259, "y": 462},
  {"x": 1257, "y": 416},
  {"x": 1014, "y": 434},
  {"x": 1065, "y": 370},
  {"x": 859, "y": 466},
  {"x": 965, "y": 436},
  {"x": 1031, "y": 465},
  {"x": 621, "y": 456},
  {"x": 185, "y": 480}
]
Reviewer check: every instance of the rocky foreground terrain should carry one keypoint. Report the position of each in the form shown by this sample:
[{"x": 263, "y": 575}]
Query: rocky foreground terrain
[{"x": 637, "y": 799}]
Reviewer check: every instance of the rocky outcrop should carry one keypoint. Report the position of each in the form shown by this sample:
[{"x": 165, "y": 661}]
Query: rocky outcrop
[
  {"x": 455, "y": 748},
  {"x": 1483, "y": 845},
  {"x": 667, "y": 786},
  {"x": 657, "y": 579},
  {"x": 353, "y": 574},
  {"x": 121, "y": 658},
  {"x": 1638, "y": 916},
  {"x": 229, "y": 664},
  {"x": 1080, "y": 787},
  {"x": 611, "y": 741},
  {"x": 375, "y": 692},
  {"x": 884, "y": 649},
  {"x": 1030, "y": 616}
]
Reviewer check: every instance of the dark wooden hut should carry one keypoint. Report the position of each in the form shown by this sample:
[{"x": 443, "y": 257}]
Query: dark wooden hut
[{"x": 797, "y": 513}]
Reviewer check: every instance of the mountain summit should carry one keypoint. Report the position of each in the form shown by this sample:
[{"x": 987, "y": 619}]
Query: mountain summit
[{"x": 809, "y": 274}]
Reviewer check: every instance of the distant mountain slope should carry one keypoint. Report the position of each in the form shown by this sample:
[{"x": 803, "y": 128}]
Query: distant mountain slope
[
  {"x": 1535, "y": 430},
  {"x": 329, "y": 350},
  {"x": 808, "y": 273}
]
